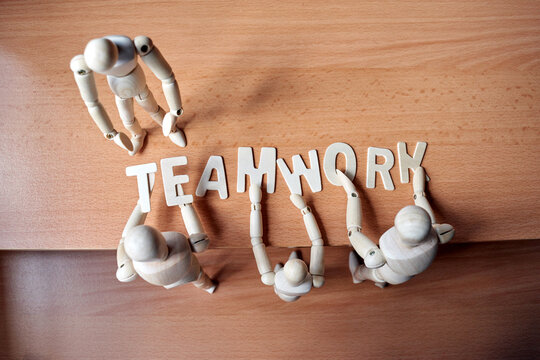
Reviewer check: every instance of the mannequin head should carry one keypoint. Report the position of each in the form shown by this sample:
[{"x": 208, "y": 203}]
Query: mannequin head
[
  {"x": 413, "y": 224},
  {"x": 144, "y": 243},
  {"x": 100, "y": 54},
  {"x": 295, "y": 271}
]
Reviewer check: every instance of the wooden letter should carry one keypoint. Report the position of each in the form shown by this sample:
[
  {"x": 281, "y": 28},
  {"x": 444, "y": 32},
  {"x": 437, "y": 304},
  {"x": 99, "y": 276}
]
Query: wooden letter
[
  {"x": 267, "y": 165},
  {"x": 406, "y": 162},
  {"x": 313, "y": 175},
  {"x": 172, "y": 185},
  {"x": 383, "y": 169},
  {"x": 145, "y": 182},
  {"x": 330, "y": 162},
  {"x": 214, "y": 162}
]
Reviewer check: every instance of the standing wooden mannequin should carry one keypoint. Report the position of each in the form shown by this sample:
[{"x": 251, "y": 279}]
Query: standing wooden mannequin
[
  {"x": 116, "y": 57},
  {"x": 292, "y": 280},
  {"x": 163, "y": 258},
  {"x": 410, "y": 246}
]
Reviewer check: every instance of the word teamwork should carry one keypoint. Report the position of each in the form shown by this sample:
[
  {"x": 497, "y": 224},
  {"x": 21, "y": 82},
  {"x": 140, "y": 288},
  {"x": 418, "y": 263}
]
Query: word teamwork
[{"x": 174, "y": 193}]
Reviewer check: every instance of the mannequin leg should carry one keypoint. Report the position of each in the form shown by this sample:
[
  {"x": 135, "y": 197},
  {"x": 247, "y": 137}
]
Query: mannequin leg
[
  {"x": 287, "y": 298},
  {"x": 361, "y": 272},
  {"x": 147, "y": 101},
  {"x": 125, "y": 109},
  {"x": 205, "y": 283}
]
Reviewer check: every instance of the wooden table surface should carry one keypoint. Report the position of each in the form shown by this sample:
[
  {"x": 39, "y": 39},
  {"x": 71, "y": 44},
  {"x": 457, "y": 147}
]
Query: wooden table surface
[
  {"x": 476, "y": 301},
  {"x": 462, "y": 75}
]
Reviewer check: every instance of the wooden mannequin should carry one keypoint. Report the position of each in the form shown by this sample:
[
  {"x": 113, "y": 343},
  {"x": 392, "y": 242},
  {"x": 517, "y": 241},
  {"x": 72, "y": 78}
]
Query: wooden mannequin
[
  {"x": 410, "y": 246},
  {"x": 163, "y": 258},
  {"x": 116, "y": 57},
  {"x": 292, "y": 280}
]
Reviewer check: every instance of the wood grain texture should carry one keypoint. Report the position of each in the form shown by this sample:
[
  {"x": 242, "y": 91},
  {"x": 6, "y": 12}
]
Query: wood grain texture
[
  {"x": 461, "y": 75},
  {"x": 476, "y": 301}
]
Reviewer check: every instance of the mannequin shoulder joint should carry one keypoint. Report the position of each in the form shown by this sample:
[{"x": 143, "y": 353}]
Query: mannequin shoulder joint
[
  {"x": 143, "y": 44},
  {"x": 78, "y": 65}
]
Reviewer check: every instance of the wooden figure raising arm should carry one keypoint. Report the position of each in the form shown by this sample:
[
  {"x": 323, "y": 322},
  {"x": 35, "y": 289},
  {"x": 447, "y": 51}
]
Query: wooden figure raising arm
[
  {"x": 125, "y": 271},
  {"x": 163, "y": 258},
  {"x": 410, "y": 246},
  {"x": 364, "y": 247},
  {"x": 445, "y": 232},
  {"x": 292, "y": 280},
  {"x": 116, "y": 57},
  {"x": 316, "y": 262},
  {"x": 256, "y": 233}
]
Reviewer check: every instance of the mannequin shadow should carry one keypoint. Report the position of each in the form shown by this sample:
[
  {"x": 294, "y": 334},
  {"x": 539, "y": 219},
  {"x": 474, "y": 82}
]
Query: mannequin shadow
[
  {"x": 254, "y": 91},
  {"x": 242, "y": 84},
  {"x": 442, "y": 213},
  {"x": 170, "y": 216},
  {"x": 208, "y": 213},
  {"x": 264, "y": 213},
  {"x": 220, "y": 273}
]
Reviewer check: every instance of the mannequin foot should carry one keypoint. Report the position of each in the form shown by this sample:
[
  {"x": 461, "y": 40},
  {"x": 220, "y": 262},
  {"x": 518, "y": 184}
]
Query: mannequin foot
[
  {"x": 286, "y": 298},
  {"x": 212, "y": 289},
  {"x": 137, "y": 141},
  {"x": 169, "y": 124},
  {"x": 353, "y": 265},
  {"x": 178, "y": 137},
  {"x": 123, "y": 141},
  {"x": 268, "y": 278},
  {"x": 294, "y": 255}
]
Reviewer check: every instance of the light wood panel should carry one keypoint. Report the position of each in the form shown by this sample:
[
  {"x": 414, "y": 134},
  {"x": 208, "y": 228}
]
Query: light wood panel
[
  {"x": 461, "y": 75},
  {"x": 476, "y": 301}
]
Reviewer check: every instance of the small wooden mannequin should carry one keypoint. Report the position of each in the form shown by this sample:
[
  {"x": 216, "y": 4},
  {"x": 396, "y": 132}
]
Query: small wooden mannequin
[
  {"x": 116, "y": 57},
  {"x": 163, "y": 258},
  {"x": 292, "y": 280},
  {"x": 410, "y": 246}
]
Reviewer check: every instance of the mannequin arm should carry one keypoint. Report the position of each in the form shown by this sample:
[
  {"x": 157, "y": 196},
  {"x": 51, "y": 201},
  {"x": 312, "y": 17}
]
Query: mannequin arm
[
  {"x": 197, "y": 237},
  {"x": 126, "y": 272},
  {"x": 87, "y": 87},
  {"x": 256, "y": 234},
  {"x": 445, "y": 232},
  {"x": 316, "y": 265},
  {"x": 419, "y": 188},
  {"x": 372, "y": 255},
  {"x": 152, "y": 57}
]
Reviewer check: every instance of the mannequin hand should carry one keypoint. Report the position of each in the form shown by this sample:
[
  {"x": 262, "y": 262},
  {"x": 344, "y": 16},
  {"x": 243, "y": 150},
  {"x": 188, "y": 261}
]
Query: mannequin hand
[
  {"x": 199, "y": 242},
  {"x": 318, "y": 281},
  {"x": 445, "y": 232},
  {"x": 268, "y": 278},
  {"x": 126, "y": 272}
]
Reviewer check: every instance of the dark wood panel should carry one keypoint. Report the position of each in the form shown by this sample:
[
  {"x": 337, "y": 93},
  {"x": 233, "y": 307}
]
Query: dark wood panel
[
  {"x": 461, "y": 75},
  {"x": 477, "y": 301}
]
